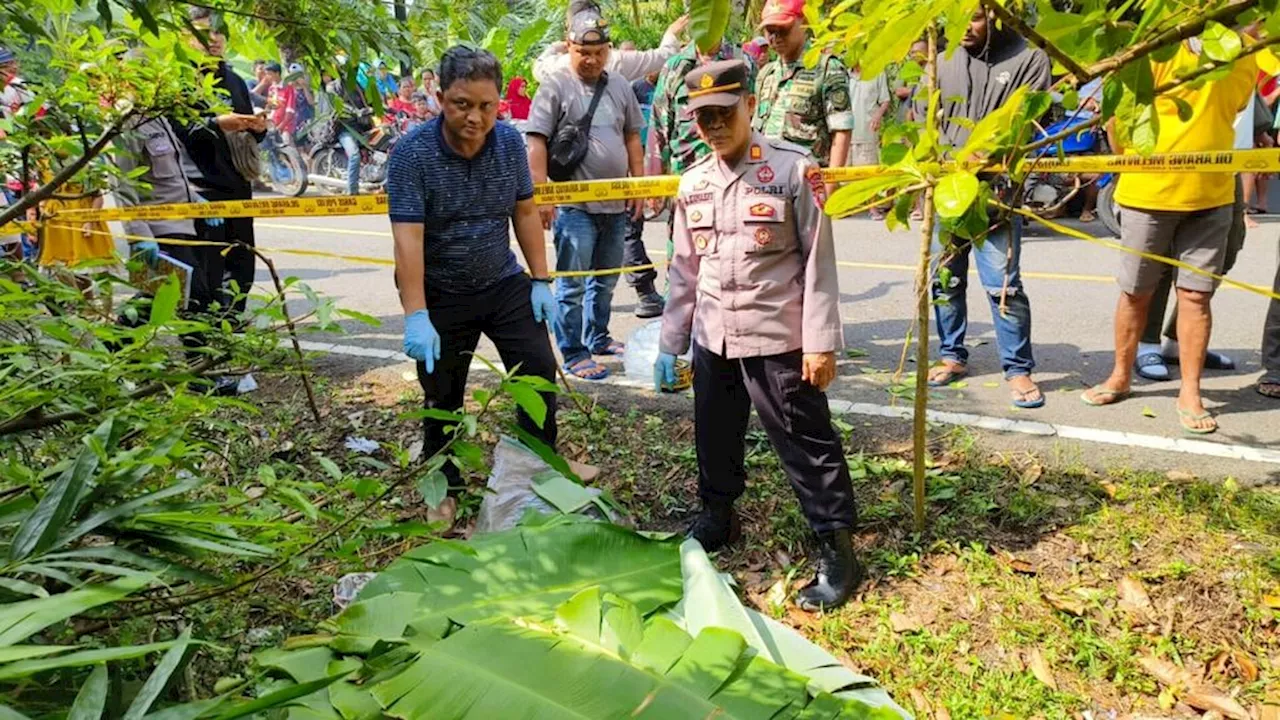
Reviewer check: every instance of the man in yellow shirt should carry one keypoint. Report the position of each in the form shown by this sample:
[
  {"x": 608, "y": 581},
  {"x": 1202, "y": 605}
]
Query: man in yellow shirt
[{"x": 1184, "y": 216}]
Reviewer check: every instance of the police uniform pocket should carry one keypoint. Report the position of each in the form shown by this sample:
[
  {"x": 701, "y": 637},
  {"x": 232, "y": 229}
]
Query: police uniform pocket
[
  {"x": 765, "y": 224},
  {"x": 702, "y": 227},
  {"x": 163, "y": 156}
]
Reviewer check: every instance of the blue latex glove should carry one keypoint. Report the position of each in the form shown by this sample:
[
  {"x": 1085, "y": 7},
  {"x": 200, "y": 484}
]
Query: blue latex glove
[
  {"x": 211, "y": 222},
  {"x": 664, "y": 371},
  {"x": 421, "y": 341},
  {"x": 148, "y": 250},
  {"x": 544, "y": 305}
]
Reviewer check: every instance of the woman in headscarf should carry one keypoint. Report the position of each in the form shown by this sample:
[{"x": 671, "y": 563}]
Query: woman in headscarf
[{"x": 518, "y": 101}]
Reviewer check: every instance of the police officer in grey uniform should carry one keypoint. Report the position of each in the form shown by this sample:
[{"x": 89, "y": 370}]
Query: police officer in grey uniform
[{"x": 753, "y": 288}]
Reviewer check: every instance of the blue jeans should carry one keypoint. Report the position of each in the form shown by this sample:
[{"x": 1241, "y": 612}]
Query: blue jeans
[
  {"x": 585, "y": 241},
  {"x": 351, "y": 146},
  {"x": 999, "y": 255}
]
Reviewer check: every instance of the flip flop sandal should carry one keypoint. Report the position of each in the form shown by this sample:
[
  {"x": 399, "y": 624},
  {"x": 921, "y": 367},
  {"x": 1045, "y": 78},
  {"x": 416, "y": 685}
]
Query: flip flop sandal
[
  {"x": 953, "y": 374},
  {"x": 1087, "y": 216},
  {"x": 1213, "y": 360},
  {"x": 1268, "y": 389},
  {"x": 1218, "y": 361},
  {"x": 1098, "y": 391},
  {"x": 1020, "y": 398},
  {"x": 1152, "y": 366},
  {"x": 1185, "y": 417},
  {"x": 613, "y": 348},
  {"x": 588, "y": 369}
]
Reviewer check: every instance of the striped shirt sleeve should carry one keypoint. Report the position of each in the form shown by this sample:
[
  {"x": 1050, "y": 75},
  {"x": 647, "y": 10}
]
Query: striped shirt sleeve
[{"x": 407, "y": 182}]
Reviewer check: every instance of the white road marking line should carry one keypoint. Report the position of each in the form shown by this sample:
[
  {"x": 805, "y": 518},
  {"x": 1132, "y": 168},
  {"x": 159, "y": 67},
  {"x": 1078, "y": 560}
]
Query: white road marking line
[{"x": 985, "y": 422}]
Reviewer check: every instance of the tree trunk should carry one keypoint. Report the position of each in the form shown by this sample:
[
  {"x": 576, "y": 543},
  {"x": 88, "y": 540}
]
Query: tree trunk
[{"x": 921, "y": 401}]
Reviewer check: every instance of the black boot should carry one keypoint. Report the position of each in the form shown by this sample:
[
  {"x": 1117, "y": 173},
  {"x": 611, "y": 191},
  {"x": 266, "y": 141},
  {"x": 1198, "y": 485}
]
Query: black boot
[
  {"x": 839, "y": 573},
  {"x": 650, "y": 305},
  {"x": 715, "y": 526}
]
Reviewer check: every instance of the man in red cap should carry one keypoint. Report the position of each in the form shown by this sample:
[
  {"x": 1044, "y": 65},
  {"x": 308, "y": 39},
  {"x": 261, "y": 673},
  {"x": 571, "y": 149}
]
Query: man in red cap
[{"x": 807, "y": 106}]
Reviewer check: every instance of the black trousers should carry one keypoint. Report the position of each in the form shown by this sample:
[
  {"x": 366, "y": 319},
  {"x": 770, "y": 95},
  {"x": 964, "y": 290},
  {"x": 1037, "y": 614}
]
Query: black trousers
[
  {"x": 1271, "y": 333},
  {"x": 504, "y": 314},
  {"x": 797, "y": 420},
  {"x": 207, "y": 266},
  {"x": 240, "y": 264},
  {"x": 634, "y": 253}
]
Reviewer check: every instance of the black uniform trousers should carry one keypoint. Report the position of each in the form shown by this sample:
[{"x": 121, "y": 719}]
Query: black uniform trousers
[
  {"x": 797, "y": 420},
  {"x": 239, "y": 264},
  {"x": 504, "y": 313}
]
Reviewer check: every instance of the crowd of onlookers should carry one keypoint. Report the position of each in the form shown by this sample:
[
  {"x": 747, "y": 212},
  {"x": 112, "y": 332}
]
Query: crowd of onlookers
[{"x": 635, "y": 103}]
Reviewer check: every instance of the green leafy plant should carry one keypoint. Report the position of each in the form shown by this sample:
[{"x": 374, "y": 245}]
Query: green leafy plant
[{"x": 535, "y": 617}]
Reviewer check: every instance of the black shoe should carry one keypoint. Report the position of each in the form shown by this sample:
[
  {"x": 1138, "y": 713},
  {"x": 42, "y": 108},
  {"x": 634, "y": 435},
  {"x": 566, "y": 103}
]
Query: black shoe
[
  {"x": 715, "y": 526},
  {"x": 839, "y": 573},
  {"x": 650, "y": 305}
]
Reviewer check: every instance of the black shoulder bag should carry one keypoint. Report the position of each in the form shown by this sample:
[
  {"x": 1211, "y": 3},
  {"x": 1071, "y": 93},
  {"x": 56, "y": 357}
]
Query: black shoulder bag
[{"x": 569, "y": 147}]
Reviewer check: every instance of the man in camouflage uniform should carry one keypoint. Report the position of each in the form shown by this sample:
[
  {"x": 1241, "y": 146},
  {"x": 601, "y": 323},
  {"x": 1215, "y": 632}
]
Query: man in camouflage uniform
[
  {"x": 673, "y": 144},
  {"x": 809, "y": 107}
]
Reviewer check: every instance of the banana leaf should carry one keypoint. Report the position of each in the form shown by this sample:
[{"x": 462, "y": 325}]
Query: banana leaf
[
  {"x": 529, "y": 571},
  {"x": 709, "y": 601},
  {"x": 585, "y": 666}
]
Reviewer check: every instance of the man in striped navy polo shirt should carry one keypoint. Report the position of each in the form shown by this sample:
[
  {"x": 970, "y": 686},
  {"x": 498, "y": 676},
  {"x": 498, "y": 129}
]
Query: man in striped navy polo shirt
[{"x": 456, "y": 185}]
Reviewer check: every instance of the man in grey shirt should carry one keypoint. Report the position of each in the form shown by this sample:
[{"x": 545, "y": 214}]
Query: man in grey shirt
[
  {"x": 974, "y": 81},
  {"x": 588, "y": 236}
]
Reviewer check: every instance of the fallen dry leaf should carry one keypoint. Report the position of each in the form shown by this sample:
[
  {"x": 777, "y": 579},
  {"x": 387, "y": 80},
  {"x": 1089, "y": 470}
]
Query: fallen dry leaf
[
  {"x": 1110, "y": 489},
  {"x": 586, "y": 472},
  {"x": 1179, "y": 476},
  {"x": 1209, "y": 699},
  {"x": 1032, "y": 473},
  {"x": 1245, "y": 664},
  {"x": 1017, "y": 564},
  {"x": 941, "y": 714},
  {"x": 1134, "y": 599},
  {"x": 1166, "y": 672},
  {"x": 904, "y": 623},
  {"x": 777, "y": 595},
  {"x": 1217, "y": 665},
  {"x": 1269, "y": 712},
  {"x": 1041, "y": 669},
  {"x": 1271, "y": 601},
  {"x": 919, "y": 700},
  {"x": 1068, "y": 604}
]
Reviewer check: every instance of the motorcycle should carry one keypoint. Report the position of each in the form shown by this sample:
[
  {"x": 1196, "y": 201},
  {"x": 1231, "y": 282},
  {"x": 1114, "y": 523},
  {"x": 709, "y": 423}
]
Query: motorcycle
[
  {"x": 283, "y": 168},
  {"x": 328, "y": 168},
  {"x": 1049, "y": 192}
]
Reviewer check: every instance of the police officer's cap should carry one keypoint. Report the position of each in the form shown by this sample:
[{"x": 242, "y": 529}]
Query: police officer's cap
[{"x": 716, "y": 84}]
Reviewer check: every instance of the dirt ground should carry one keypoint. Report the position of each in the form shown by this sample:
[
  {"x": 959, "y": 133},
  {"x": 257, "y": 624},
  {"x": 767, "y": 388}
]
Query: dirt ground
[{"x": 1044, "y": 585}]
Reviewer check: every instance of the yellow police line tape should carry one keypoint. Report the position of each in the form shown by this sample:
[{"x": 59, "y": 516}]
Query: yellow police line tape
[
  {"x": 367, "y": 260},
  {"x": 666, "y": 186},
  {"x": 1079, "y": 235},
  {"x": 363, "y": 259}
]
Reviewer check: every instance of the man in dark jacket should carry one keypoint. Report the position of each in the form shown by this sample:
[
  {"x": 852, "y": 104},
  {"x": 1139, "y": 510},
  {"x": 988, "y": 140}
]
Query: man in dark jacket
[
  {"x": 211, "y": 167},
  {"x": 975, "y": 81}
]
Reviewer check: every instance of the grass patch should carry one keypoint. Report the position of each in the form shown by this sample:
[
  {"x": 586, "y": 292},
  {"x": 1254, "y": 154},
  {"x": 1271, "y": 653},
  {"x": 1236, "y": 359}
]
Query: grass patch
[{"x": 1009, "y": 605}]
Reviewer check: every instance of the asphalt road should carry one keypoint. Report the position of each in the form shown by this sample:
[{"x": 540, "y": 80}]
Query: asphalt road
[{"x": 1070, "y": 284}]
